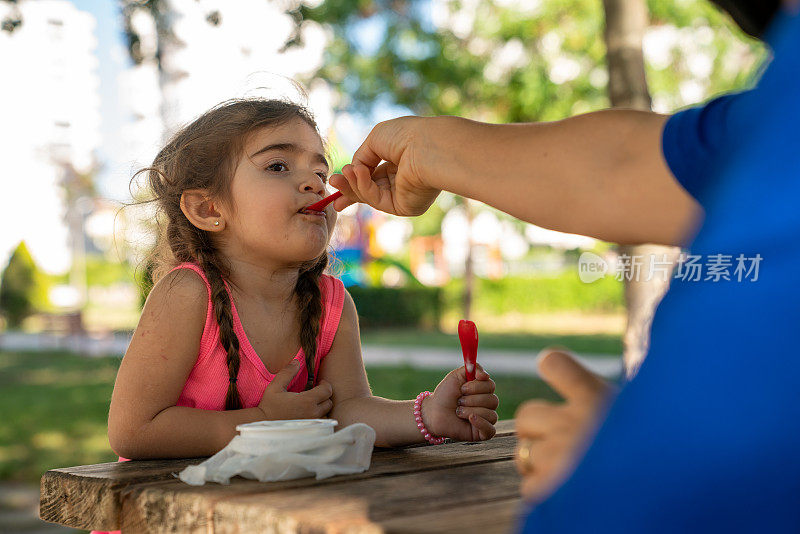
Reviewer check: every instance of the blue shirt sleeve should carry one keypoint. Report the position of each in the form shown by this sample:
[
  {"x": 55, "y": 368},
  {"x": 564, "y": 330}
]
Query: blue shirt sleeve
[{"x": 693, "y": 140}]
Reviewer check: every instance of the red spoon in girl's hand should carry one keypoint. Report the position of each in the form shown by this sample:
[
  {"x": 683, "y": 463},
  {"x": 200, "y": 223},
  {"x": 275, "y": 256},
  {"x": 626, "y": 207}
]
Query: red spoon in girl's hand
[
  {"x": 319, "y": 206},
  {"x": 468, "y": 335}
]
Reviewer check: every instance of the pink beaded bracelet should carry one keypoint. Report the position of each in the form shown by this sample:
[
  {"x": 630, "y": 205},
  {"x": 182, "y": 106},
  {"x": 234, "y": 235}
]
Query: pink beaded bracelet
[{"x": 433, "y": 440}]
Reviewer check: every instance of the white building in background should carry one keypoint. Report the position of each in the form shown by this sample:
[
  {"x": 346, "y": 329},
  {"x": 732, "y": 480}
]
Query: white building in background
[
  {"x": 49, "y": 104},
  {"x": 221, "y": 50}
]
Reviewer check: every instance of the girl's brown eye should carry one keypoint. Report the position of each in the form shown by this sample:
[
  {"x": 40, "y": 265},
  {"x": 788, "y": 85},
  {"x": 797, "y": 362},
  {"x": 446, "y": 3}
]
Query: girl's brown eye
[{"x": 277, "y": 164}]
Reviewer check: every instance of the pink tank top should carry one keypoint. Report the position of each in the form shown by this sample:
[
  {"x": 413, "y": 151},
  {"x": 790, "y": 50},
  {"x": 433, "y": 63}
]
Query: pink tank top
[{"x": 207, "y": 383}]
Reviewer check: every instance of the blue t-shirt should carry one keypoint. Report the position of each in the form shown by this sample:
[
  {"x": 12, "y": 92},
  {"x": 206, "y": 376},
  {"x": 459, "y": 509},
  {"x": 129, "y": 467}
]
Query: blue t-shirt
[{"x": 707, "y": 437}]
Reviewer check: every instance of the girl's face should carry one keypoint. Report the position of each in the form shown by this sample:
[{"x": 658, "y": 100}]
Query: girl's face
[{"x": 282, "y": 170}]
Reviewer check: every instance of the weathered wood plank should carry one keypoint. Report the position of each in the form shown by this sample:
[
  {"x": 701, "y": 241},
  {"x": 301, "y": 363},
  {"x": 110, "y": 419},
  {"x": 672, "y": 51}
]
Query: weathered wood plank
[
  {"x": 354, "y": 506},
  {"x": 90, "y": 496},
  {"x": 504, "y": 427},
  {"x": 143, "y": 504},
  {"x": 486, "y": 518},
  {"x": 365, "y": 503}
]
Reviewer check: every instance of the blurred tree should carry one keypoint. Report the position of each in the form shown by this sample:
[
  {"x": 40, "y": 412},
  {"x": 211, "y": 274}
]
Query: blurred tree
[
  {"x": 454, "y": 58},
  {"x": 150, "y": 40},
  {"x": 79, "y": 193},
  {"x": 626, "y": 22},
  {"x": 18, "y": 286},
  {"x": 12, "y": 19},
  {"x": 511, "y": 60},
  {"x": 158, "y": 10}
]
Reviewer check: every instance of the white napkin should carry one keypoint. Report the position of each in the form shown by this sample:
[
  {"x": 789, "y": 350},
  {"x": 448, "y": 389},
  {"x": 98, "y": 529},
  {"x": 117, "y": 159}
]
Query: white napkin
[{"x": 344, "y": 452}]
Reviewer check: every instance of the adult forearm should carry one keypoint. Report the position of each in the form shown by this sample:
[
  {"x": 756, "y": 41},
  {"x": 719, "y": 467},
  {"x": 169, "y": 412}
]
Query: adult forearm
[
  {"x": 601, "y": 174},
  {"x": 392, "y": 420},
  {"x": 181, "y": 432}
]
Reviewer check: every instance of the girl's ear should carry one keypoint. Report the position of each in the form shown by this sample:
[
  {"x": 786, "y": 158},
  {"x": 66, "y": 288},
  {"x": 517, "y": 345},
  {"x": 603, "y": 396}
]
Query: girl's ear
[{"x": 201, "y": 210}]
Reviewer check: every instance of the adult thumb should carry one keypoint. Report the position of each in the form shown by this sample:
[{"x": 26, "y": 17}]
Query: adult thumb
[
  {"x": 286, "y": 375},
  {"x": 570, "y": 378}
]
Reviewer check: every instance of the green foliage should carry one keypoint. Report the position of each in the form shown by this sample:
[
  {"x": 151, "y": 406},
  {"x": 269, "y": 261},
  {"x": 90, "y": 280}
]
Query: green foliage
[
  {"x": 377, "y": 266},
  {"x": 418, "y": 305},
  {"x": 337, "y": 155},
  {"x": 564, "y": 292},
  {"x": 18, "y": 286},
  {"x": 430, "y": 222},
  {"x": 436, "y": 70},
  {"x": 100, "y": 272},
  {"x": 397, "y": 307},
  {"x": 509, "y": 63},
  {"x": 734, "y": 56},
  {"x": 144, "y": 281},
  {"x": 104, "y": 273}
]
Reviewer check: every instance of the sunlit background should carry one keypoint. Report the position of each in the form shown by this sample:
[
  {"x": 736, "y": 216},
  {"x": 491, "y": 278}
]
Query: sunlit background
[{"x": 92, "y": 88}]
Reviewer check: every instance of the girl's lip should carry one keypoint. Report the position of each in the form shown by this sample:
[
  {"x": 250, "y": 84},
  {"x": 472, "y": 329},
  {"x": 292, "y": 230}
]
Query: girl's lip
[
  {"x": 307, "y": 208},
  {"x": 306, "y": 211},
  {"x": 312, "y": 213}
]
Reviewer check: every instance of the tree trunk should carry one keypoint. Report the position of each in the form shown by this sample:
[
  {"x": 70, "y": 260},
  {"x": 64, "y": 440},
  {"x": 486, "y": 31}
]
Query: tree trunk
[
  {"x": 469, "y": 271},
  {"x": 626, "y": 21}
]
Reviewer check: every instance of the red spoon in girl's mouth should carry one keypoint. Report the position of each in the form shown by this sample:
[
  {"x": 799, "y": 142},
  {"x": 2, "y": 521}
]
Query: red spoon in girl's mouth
[
  {"x": 319, "y": 206},
  {"x": 468, "y": 335}
]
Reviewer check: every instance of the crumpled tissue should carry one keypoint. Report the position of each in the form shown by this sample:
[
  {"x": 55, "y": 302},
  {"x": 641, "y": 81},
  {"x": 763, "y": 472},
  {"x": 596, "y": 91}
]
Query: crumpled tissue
[{"x": 344, "y": 452}]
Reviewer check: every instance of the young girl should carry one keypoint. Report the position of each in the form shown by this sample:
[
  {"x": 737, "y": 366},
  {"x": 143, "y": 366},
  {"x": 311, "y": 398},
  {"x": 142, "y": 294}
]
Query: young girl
[{"x": 240, "y": 286}]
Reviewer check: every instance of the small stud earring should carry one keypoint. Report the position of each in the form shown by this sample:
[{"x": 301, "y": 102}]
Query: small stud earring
[{"x": 216, "y": 223}]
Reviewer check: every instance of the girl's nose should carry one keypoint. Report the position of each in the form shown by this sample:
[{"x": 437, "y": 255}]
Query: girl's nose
[{"x": 313, "y": 184}]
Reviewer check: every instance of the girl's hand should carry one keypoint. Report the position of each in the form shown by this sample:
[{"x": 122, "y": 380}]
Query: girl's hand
[
  {"x": 277, "y": 403},
  {"x": 462, "y": 410}
]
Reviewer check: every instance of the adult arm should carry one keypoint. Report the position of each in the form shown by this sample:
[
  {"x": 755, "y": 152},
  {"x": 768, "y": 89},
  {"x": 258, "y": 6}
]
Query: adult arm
[{"x": 601, "y": 174}]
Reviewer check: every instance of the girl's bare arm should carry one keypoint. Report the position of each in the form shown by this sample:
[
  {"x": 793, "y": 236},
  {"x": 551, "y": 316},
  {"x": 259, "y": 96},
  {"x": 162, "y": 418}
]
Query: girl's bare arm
[
  {"x": 143, "y": 421},
  {"x": 353, "y": 401}
]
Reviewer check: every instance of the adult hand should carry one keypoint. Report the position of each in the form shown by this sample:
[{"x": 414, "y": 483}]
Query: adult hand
[
  {"x": 277, "y": 403},
  {"x": 462, "y": 410},
  {"x": 551, "y": 437},
  {"x": 397, "y": 185}
]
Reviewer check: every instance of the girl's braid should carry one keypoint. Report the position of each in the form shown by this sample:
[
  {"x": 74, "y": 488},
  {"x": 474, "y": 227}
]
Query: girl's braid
[
  {"x": 204, "y": 254},
  {"x": 309, "y": 299}
]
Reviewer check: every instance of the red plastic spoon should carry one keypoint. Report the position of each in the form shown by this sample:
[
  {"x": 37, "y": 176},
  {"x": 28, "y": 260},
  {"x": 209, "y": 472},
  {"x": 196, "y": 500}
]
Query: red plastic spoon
[
  {"x": 319, "y": 206},
  {"x": 468, "y": 335}
]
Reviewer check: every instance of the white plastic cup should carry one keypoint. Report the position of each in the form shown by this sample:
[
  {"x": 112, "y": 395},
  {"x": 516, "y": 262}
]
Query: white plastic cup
[{"x": 287, "y": 430}]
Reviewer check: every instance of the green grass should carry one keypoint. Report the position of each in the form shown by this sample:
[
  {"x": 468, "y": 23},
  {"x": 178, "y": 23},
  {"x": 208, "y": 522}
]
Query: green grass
[
  {"x": 54, "y": 407},
  {"x": 581, "y": 343}
]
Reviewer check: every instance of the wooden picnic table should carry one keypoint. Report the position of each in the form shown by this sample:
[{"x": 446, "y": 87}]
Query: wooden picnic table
[{"x": 453, "y": 487}]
